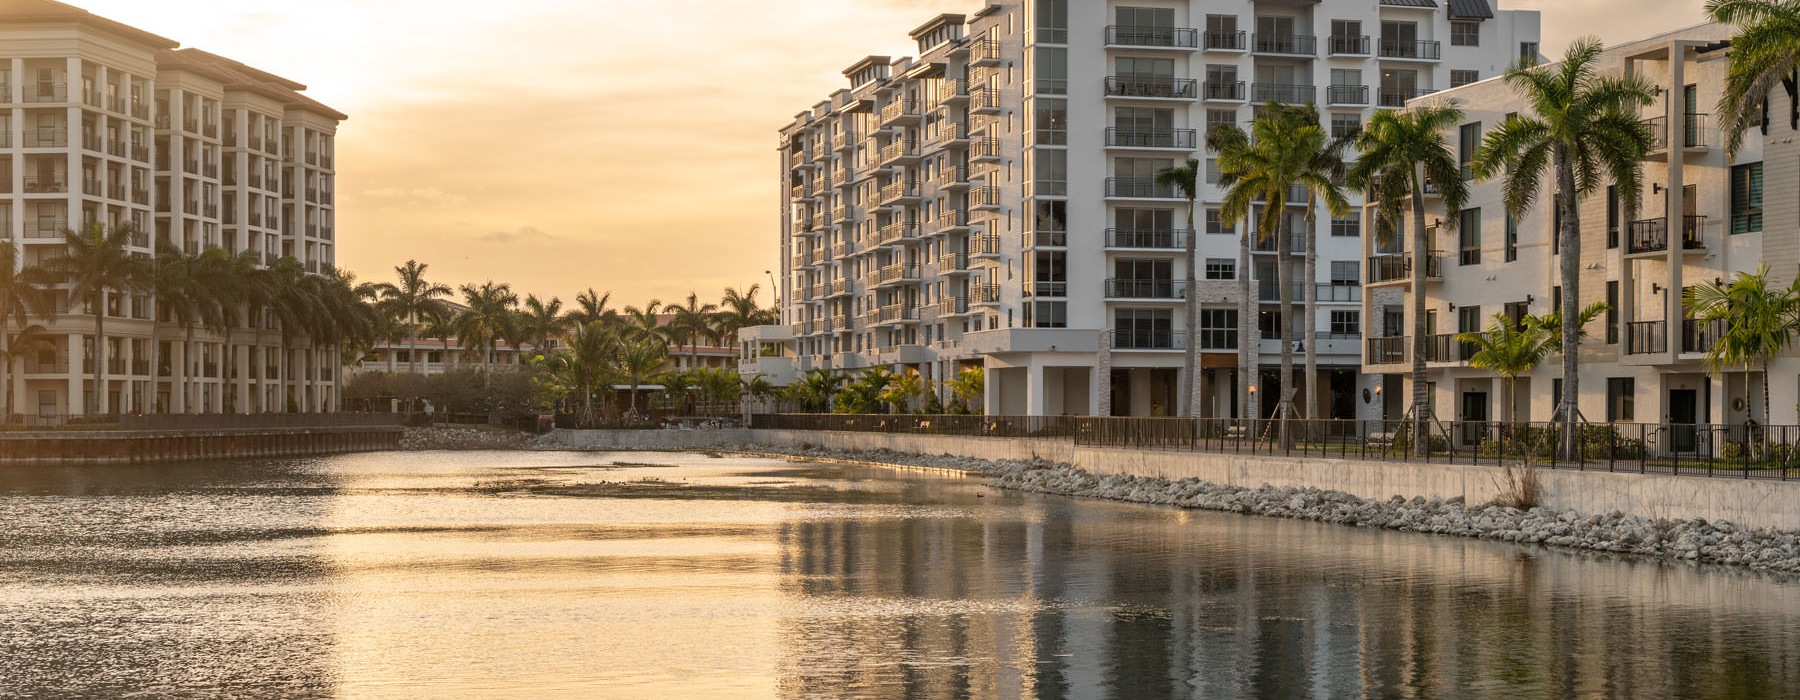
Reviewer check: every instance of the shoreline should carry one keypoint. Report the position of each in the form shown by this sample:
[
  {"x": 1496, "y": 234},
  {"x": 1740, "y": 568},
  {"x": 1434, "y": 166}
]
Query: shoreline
[{"x": 1692, "y": 541}]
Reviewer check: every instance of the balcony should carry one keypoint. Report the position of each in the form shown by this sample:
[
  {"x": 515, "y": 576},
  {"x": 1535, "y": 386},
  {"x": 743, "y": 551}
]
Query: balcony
[
  {"x": 1397, "y": 97},
  {"x": 1347, "y": 45},
  {"x": 1224, "y": 41},
  {"x": 1284, "y": 44},
  {"x": 986, "y": 148},
  {"x": 895, "y": 274},
  {"x": 1701, "y": 336},
  {"x": 1164, "y": 138},
  {"x": 1332, "y": 293},
  {"x": 1411, "y": 50},
  {"x": 953, "y": 91},
  {"x": 46, "y": 138},
  {"x": 1282, "y": 92},
  {"x": 894, "y": 193},
  {"x": 1646, "y": 337},
  {"x": 1652, "y": 235},
  {"x": 1397, "y": 267},
  {"x": 1139, "y": 188},
  {"x": 897, "y": 232},
  {"x": 897, "y": 313},
  {"x": 984, "y": 245},
  {"x": 1147, "y": 239},
  {"x": 1045, "y": 288},
  {"x": 985, "y": 52},
  {"x": 1267, "y": 244},
  {"x": 984, "y": 100},
  {"x": 1158, "y": 289},
  {"x": 1153, "y": 37},
  {"x": 900, "y": 110},
  {"x": 984, "y": 293},
  {"x": 1150, "y": 87},
  {"x": 1148, "y": 340},
  {"x": 1222, "y": 91},
  {"x": 37, "y": 184},
  {"x": 953, "y": 263},
  {"x": 903, "y": 149},
  {"x": 953, "y": 178},
  {"x": 951, "y": 220},
  {"x": 1693, "y": 136},
  {"x": 1386, "y": 350},
  {"x": 1347, "y": 95},
  {"x": 1445, "y": 348},
  {"x": 984, "y": 198}
]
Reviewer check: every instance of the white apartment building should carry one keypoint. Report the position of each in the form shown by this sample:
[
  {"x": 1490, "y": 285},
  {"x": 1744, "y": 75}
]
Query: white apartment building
[
  {"x": 1641, "y": 363},
  {"x": 991, "y": 202},
  {"x": 103, "y": 123}
]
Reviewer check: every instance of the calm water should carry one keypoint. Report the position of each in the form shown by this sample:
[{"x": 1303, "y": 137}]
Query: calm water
[{"x": 682, "y": 576}]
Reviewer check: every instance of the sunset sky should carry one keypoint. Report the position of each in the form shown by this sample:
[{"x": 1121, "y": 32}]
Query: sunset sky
[{"x": 624, "y": 145}]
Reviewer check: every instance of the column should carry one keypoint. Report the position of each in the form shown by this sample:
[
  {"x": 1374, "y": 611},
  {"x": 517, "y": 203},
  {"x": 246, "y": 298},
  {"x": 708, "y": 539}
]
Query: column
[{"x": 1034, "y": 389}]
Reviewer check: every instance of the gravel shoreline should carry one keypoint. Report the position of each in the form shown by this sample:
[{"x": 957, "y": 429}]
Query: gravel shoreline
[{"x": 1697, "y": 541}]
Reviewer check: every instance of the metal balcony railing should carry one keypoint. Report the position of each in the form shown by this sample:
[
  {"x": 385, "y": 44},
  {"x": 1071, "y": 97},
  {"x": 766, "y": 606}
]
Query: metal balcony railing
[
  {"x": 1160, "y": 239},
  {"x": 1158, "y": 138},
  {"x": 1282, "y": 92},
  {"x": 1386, "y": 350},
  {"x": 1146, "y": 86},
  {"x": 1128, "y": 288},
  {"x": 1224, "y": 41},
  {"x": 1348, "y": 45},
  {"x": 1141, "y": 188},
  {"x": 1223, "y": 90},
  {"x": 1148, "y": 340},
  {"x": 1154, "y": 37},
  {"x": 1422, "y": 50},
  {"x": 1347, "y": 94},
  {"x": 1285, "y": 44},
  {"x": 1652, "y": 235},
  {"x": 1646, "y": 337}
]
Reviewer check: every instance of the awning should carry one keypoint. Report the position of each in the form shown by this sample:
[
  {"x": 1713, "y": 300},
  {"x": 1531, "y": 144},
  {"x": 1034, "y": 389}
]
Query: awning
[{"x": 1470, "y": 9}]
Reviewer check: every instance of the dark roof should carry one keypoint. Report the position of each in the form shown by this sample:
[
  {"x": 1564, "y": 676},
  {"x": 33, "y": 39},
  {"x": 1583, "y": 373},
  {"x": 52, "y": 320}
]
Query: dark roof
[
  {"x": 1470, "y": 9},
  {"x": 52, "y": 12},
  {"x": 1410, "y": 3}
]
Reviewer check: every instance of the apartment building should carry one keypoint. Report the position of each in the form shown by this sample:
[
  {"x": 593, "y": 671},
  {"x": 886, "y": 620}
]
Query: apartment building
[
  {"x": 991, "y": 202},
  {"x": 102, "y": 123},
  {"x": 1700, "y": 220}
]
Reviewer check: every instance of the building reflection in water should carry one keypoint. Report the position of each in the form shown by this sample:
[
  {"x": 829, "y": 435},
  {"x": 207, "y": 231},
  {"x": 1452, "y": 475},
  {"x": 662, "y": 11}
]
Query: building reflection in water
[{"x": 1042, "y": 598}]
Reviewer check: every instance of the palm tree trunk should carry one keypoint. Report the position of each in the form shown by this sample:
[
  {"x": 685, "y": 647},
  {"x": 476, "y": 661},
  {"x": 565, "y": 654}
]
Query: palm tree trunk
[
  {"x": 99, "y": 353},
  {"x": 1309, "y": 313},
  {"x": 1191, "y": 358},
  {"x": 155, "y": 350},
  {"x": 1421, "y": 256},
  {"x": 1246, "y": 323},
  {"x": 6, "y": 374},
  {"x": 1284, "y": 280},
  {"x": 1571, "y": 299}
]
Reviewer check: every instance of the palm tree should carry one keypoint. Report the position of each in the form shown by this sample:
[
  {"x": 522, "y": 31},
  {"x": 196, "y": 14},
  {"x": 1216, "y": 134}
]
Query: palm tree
[
  {"x": 813, "y": 391},
  {"x": 542, "y": 320},
  {"x": 639, "y": 358},
  {"x": 1586, "y": 126},
  {"x": 1509, "y": 349},
  {"x": 902, "y": 389},
  {"x": 1322, "y": 177},
  {"x": 179, "y": 291},
  {"x": 1231, "y": 145},
  {"x": 645, "y": 322},
  {"x": 488, "y": 318},
  {"x": 24, "y": 293},
  {"x": 297, "y": 311},
  {"x": 98, "y": 263},
  {"x": 738, "y": 311},
  {"x": 1402, "y": 154},
  {"x": 586, "y": 365},
  {"x": 1185, "y": 179},
  {"x": 1759, "y": 322},
  {"x": 591, "y": 307},
  {"x": 1765, "y": 52},
  {"x": 411, "y": 302},
  {"x": 691, "y": 321}
]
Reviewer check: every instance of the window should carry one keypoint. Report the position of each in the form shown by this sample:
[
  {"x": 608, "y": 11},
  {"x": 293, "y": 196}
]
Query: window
[
  {"x": 1218, "y": 329},
  {"x": 1528, "y": 52},
  {"x": 1746, "y": 198},
  {"x": 1459, "y": 78},
  {"x": 1469, "y": 232},
  {"x": 1555, "y": 394},
  {"x": 1348, "y": 227},
  {"x": 1214, "y": 225},
  {"x": 1053, "y": 21},
  {"x": 1143, "y": 329},
  {"x": 1512, "y": 237},
  {"x": 1612, "y": 312},
  {"x": 1345, "y": 273},
  {"x": 1052, "y": 71},
  {"x": 1465, "y": 33},
  {"x": 1052, "y": 215},
  {"x": 1049, "y": 314},
  {"x": 1215, "y": 117},
  {"x": 1050, "y": 121},
  {"x": 1619, "y": 400},
  {"x": 1221, "y": 269},
  {"x": 1344, "y": 126},
  {"x": 1469, "y": 140},
  {"x": 1346, "y": 323}
]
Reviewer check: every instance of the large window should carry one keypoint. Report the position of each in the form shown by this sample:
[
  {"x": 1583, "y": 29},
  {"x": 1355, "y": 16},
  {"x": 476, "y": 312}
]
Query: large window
[
  {"x": 1512, "y": 237},
  {"x": 1345, "y": 273},
  {"x": 1221, "y": 269},
  {"x": 1619, "y": 400},
  {"x": 1469, "y": 140},
  {"x": 1050, "y": 121},
  {"x": 1344, "y": 126},
  {"x": 1347, "y": 227},
  {"x": 1214, "y": 224},
  {"x": 1050, "y": 314},
  {"x": 1468, "y": 231},
  {"x": 1218, "y": 329},
  {"x": 1053, "y": 21},
  {"x": 1465, "y": 33},
  {"x": 1459, "y": 78},
  {"x": 1612, "y": 312},
  {"x": 1746, "y": 198},
  {"x": 1346, "y": 323},
  {"x": 1052, "y": 66},
  {"x": 1143, "y": 329}
]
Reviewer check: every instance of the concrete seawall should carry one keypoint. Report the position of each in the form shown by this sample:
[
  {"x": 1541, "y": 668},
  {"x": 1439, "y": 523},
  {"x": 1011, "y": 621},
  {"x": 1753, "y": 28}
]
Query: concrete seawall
[
  {"x": 50, "y": 448},
  {"x": 1751, "y": 503}
]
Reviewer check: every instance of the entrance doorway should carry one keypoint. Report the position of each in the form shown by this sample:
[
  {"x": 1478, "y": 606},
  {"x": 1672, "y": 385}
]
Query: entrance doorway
[
  {"x": 1474, "y": 416},
  {"x": 1684, "y": 407}
]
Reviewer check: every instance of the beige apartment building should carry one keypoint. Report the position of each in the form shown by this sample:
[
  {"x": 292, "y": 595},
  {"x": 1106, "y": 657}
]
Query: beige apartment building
[
  {"x": 1702, "y": 219},
  {"x": 102, "y": 123},
  {"x": 991, "y": 201}
]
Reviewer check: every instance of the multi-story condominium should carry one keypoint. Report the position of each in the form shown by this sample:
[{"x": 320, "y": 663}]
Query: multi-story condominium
[
  {"x": 992, "y": 202},
  {"x": 104, "y": 124},
  {"x": 1700, "y": 220}
]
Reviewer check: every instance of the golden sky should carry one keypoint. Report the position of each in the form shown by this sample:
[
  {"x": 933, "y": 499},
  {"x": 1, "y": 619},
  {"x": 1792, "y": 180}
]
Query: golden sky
[{"x": 624, "y": 145}]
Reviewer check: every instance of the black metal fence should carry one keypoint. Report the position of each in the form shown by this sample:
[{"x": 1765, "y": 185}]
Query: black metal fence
[
  {"x": 201, "y": 421},
  {"x": 1734, "y": 451}
]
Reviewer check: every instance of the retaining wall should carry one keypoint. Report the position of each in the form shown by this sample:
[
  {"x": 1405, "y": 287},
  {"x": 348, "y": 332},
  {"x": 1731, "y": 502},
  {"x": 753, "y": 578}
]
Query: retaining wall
[
  {"x": 1753, "y": 503},
  {"x": 145, "y": 446}
]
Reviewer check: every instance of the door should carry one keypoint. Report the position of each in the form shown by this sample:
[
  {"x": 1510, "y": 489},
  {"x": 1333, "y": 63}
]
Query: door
[
  {"x": 1683, "y": 409},
  {"x": 1474, "y": 416}
]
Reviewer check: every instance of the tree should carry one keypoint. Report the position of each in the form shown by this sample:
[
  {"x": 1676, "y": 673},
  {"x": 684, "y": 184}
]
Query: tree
[
  {"x": 639, "y": 358},
  {"x": 591, "y": 307},
  {"x": 488, "y": 318},
  {"x": 969, "y": 388},
  {"x": 1185, "y": 179},
  {"x": 236, "y": 293},
  {"x": 1509, "y": 349},
  {"x": 689, "y": 323},
  {"x": 99, "y": 262},
  {"x": 541, "y": 320},
  {"x": 585, "y": 368},
  {"x": 738, "y": 311},
  {"x": 1402, "y": 154},
  {"x": 1586, "y": 130},
  {"x": 24, "y": 292},
  {"x": 645, "y": 322},
  {"x": 1289, "y": 149},
  {"x": 1321, "y": 177},
  {"x": 813, "y": 391},
  {"x": 179, "y": 291},
  {"x": 1759, "y": 322},
  {"x": 1765, "y": 51},
  {"x": 297, "y": 311},
  {"x": 902, "y": 389},
  {"x": 411, "y": 302}
]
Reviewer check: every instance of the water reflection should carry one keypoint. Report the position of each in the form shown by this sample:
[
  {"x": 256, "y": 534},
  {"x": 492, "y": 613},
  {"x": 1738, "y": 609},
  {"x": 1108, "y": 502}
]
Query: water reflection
[{"x": 657, "y": 576}]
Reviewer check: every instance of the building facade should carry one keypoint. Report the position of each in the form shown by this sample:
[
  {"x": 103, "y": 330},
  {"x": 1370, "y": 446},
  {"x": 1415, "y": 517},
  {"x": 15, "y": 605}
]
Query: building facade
[
  {"x": 992, "y": 201},
  {"x": 1701, "y": 219},
  {"x": 104, "y": 124}
]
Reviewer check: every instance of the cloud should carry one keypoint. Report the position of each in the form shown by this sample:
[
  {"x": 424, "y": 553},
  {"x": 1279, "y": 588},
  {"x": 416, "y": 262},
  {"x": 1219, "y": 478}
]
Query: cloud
[
  {"x": 413, "y": 197},
  {"x": 524, "y": 234}
]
